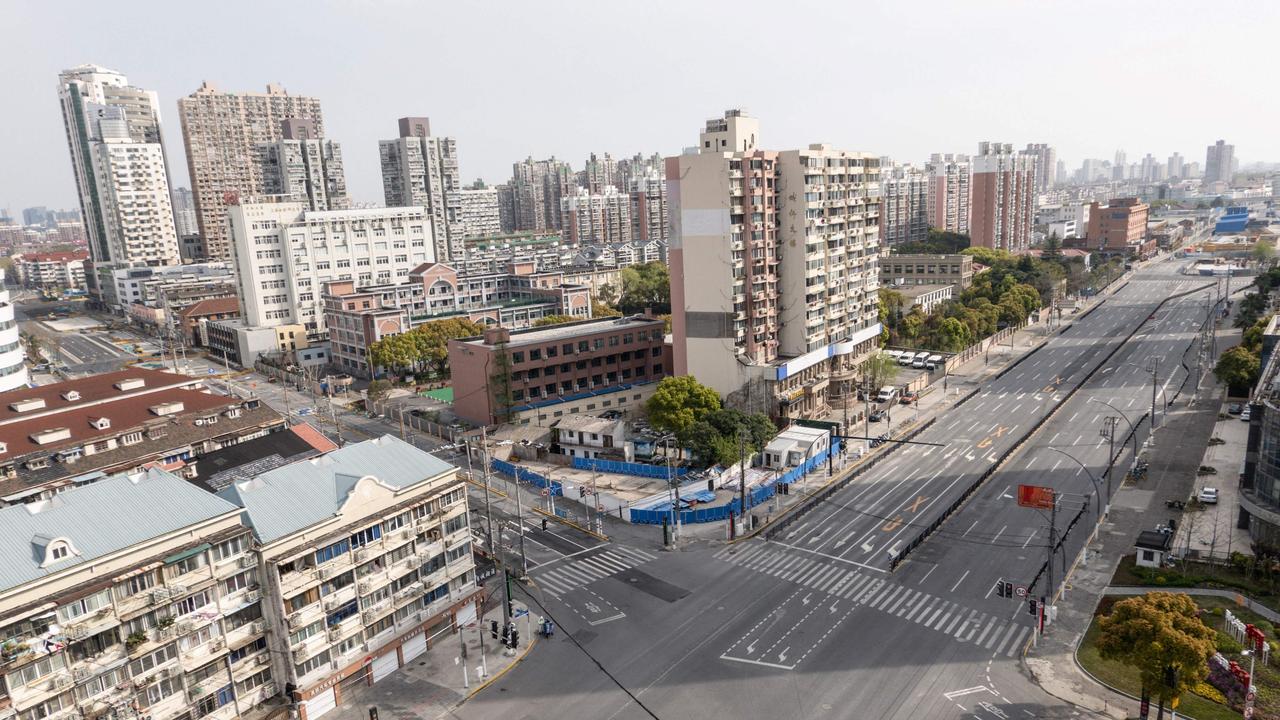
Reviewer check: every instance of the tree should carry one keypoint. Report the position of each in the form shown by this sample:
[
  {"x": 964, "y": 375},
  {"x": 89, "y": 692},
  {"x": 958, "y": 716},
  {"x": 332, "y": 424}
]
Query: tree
[
  {"x": 1251, "y": 339},
  {"x": 604, "y": 310},
  {"x": 679, "y": 402},
  {"x": 377, "y": 390},
  {"x": 647, "y": 285},
  {"x": 553, "y": 320},
  {"x": 953, "y": 335},
  {"x": 425, "y": 346},
  {"x": 607, "y": 294},
  {"x": 879, "y": 370},
  {"x": 1264, "y": 252},
  {"x": 1051, "y": 251},
  {"x": 1161, "y": 635},
  {"x": 1238, "y": 369}
]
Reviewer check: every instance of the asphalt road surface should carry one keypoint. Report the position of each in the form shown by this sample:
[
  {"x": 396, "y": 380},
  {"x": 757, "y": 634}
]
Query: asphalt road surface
[{"x": 815, "y": 624}]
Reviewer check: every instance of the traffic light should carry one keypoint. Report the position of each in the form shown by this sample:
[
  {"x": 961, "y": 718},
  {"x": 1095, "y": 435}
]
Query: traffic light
[
  {"x": 493, "y": 628},
  {"x": 506, "y": 634},
  {"x": 582, "y": 492},
  {"x": 1031, "y": 606},
  {"x": 515, "y": 638},
  {"x": 1000, "y": 588},
  {"x": 1008, "y": 589}
]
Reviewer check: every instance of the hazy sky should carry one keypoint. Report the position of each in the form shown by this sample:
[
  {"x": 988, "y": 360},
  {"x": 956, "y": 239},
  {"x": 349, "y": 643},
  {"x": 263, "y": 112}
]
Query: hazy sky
[{"x": 510, "y": 79}]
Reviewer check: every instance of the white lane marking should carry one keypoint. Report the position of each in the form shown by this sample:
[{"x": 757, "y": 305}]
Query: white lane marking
[
  {"x": 998, "y": 534},
  {"x": 926, "y": 575},
  {"x": 962, "y": 577},
  {"x": 971, "y": 527}
]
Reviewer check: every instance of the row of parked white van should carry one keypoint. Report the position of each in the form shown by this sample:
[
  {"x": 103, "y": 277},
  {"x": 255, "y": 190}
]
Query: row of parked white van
[{"x": 919, "y": 360}]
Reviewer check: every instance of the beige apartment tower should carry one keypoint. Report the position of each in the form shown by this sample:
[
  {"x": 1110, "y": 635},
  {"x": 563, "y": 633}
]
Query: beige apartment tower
[
  {"x": 226, "y": 136},
  {"x": 774, "y": 272}
]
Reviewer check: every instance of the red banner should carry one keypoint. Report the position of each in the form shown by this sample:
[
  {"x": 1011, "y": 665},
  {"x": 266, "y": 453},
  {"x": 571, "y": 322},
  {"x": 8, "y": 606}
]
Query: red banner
[{"x": 1035, "y": 496}]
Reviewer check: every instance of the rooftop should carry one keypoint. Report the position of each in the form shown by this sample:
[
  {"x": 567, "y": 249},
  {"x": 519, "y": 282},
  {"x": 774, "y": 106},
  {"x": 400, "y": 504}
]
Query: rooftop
[
  {"x": 62, "y": 256},
  {"x": 98, "y": 520},
  {"x": 212, "y": 306},
  {"x": 586, "y": 423},
  {"x": 86, "y": 390},
  {"x": 534, "y": 336},
  {"x": 245, "y": 460},
  {"x": 283, "y": 501}
]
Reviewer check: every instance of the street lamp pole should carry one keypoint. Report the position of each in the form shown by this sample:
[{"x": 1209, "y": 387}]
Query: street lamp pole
[{"x": 1092, "y": 479}]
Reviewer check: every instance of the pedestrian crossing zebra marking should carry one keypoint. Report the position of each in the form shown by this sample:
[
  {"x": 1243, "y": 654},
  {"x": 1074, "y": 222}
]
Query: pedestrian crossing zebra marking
[{"x": 586, "y": 569}]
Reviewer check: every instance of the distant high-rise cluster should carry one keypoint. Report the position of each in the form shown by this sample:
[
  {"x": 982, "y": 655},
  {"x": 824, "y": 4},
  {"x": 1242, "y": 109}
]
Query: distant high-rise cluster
[
  {"x": 304, "y": 167},
  {"x": 227, "y": 136},
  {"x": 904, "y": 212},
  {"x": 1046, "y": 165},
  {"x": 118, "y": 159},
  {"x": 536, "y": 188},
  {"x": 948, "y": 192}
]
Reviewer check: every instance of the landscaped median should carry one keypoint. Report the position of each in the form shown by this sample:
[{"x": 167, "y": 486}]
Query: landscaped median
[{"x": 1195, "y": 625}]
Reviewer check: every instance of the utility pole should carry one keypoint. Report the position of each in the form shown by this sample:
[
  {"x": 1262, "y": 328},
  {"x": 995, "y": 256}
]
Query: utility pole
[
  {"x": 1109, "y": 431},
  {"x": 866, "y": 415},
  {"x": 1053, "y": 540},
  {"x": 1155, "y": 371},
  {"x": 488, "y": 511}
]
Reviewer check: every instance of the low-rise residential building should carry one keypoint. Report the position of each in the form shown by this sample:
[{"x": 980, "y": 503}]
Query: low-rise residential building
[
  {"x": 1119, "y": 225},
  {"x": 150, "y": 286},
  {"x": 1062, "y": 229},
  {"x": 526, "y": 375},
  {"x": 927, "y": 270},
  {"x": 76, "y": 431},
  {"x": 51, "y": 270},
  {"x": 587, "y": 436},
  {"x": 366, "y": 562},
  {"x": 134, "y": 596},
  {"x": 794, "y": 446},
  {"x": 925, "y": 297},
  {"x": 194, "y": 318},
  {"x": 239, "y": 343},
  {"x": 357, "y": 317}
]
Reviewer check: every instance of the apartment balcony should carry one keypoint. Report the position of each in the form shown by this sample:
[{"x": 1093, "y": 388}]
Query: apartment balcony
[
  {"x": 376, "y": 612},
  {"x": 305, "y": 616},
  {"x": 296, "y": 582},
  {"x": 246, "y": 632},
  {"x": 251, "y": 665},
  {"x": 41, "y": 690},
  {"x": 345, "y": 629},
  {"x": 91, "y": 624},
  {"x": 199, "y": 655}
]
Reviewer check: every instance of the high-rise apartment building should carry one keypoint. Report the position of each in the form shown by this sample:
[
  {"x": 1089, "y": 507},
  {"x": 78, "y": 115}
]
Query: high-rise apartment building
[
  {"x": 1046, "y": 162},
  {"x": 13, "y": 369},
  {"x": 1120, "y": 166},
  {"x": 600, "y": 173},
  {"x": 648, "y": 209},
  {"x": 303, "y": 167},
  {"x": 506, "y": 207},
  {"x": 226, "y": 135},
  {"x": 421, "y": 170},
  {"x": 474, "y": 213},
  {"x": 1147, "y": 169},
  {"x": 904, "y": 193},
  {"x": 947, "y": 204},
  {"x": 1219, "y": 162},
  {"x": 637, "y": 167},
  {"x": 184, "y": 212},
  {"x": 774, "y": 271},
  {"x": 1176, "y": 166},
  {"x": 285, "y": 254},
  {"x": 600, "y": 218},
  {"x": 1004, "y": 198},
  {"x": 118, "y": 159},
  {"x": 537, "y": 187}
]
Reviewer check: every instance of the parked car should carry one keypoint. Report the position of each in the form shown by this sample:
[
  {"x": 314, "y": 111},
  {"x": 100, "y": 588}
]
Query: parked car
[
  {"x": 1235, "y": 408},
  {"x": 1208, "y": 496},
  {"x": 1245, "y": 415},
  {"x": 908, "y": 397},
  {"x": 876, "y": 415}
]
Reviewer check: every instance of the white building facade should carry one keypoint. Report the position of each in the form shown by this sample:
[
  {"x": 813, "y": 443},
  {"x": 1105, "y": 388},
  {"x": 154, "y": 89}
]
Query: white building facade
[
  {"x": 13, "y": 371},
  {"x": 284, "y": 254}
]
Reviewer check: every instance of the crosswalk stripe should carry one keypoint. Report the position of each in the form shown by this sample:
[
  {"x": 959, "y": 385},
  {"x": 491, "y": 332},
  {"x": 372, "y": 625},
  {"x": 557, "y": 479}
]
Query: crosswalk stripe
[
  {"x": 950, "y": 608},
  {"x": 600, "y": 568},
  {"x": 579, "y": 576},
  {"x": 990, "y": 624},
  {"x": 640, "y": 555},
  {"x": 970, "y": 626},
  {"x": 831, "y": 579},
  {"x": 916, "y": 600},
  {"x": 955, "y": 621},
  {"x": 818, "y": 578},
  {"x": 845, "y": 581},
  {"x": 886, "y": 597},
  {"x": 925, "y": 603},
  {"x": 1022, "y": 636},
  {"x": 804, "y": 578},
  {"x": 891, "y": 607},
  {"x": 795, "y": 571},
  {"x": 740, "y": 557},
  {"x": 771, "y": 562},
  {"x": 1008, "y": 635},
  {"x": 934, "y": 616},
  {"x": 866, "y": 595},
  {"x": 614, "y": 561},
  {"x": 552, "y": 585},
  {"x": 855, "y": 587},
  {"x": 555, "y": 575}
]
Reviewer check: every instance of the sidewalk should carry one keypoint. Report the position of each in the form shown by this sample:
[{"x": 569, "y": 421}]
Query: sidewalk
[
  {"x": 432, "y": 686},
  {"x": 1181, "y": 444}
]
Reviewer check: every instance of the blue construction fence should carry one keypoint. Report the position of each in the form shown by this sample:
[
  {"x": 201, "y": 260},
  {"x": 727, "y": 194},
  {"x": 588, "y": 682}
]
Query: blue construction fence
[
  {"x": 627, "y": 468},
  {"x": 657, "y": 514},
  {"x": 526, "y": 475}
]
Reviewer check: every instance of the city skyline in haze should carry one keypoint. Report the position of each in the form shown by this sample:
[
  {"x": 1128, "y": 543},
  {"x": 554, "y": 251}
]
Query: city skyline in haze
[{"x": 565, "y": 80}]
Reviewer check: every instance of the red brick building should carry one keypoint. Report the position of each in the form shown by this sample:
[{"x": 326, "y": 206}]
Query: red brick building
[
  {"x": 1119, "y": 226},
  {"x": 523, "y": 375}
]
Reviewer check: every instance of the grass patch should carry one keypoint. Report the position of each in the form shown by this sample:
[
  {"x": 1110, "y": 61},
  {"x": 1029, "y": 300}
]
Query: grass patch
[{"x": 1125, "y": 678}]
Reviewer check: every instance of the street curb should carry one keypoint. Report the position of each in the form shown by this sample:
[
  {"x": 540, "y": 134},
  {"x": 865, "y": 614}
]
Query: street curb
[
  {"x": 493, "y": 678},
  {"x": 570, "y": 523}
]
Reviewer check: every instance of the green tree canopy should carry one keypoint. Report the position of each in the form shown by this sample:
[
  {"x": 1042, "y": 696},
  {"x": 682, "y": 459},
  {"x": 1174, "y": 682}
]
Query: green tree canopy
[
  {"x": 424, "y": 347},
  {"x": 1158, "y": 633},
  {"x": 647, "y": 285},
  {"x": 680, "y": 401},
  {"x": 879, "y": 370},
  {"x": 1238, "y": 368},
  {"x": 553, "y": 320}
]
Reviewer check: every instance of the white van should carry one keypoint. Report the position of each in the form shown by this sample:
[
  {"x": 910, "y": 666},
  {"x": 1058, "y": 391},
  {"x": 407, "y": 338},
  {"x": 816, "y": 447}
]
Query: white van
[
  {"x": 919, "y": 360},
  {"x": 906, "y": 358},
  {"x": 887, "y": 394},
  {"x": 934, "y": 362},
  {"x": 895, "y": 355}
]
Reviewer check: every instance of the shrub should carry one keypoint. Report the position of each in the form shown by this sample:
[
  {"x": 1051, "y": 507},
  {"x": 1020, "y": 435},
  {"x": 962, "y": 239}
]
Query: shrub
[
  {"x": 1227, "y": 645},
  {"x": 1209, "y": 692}
]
